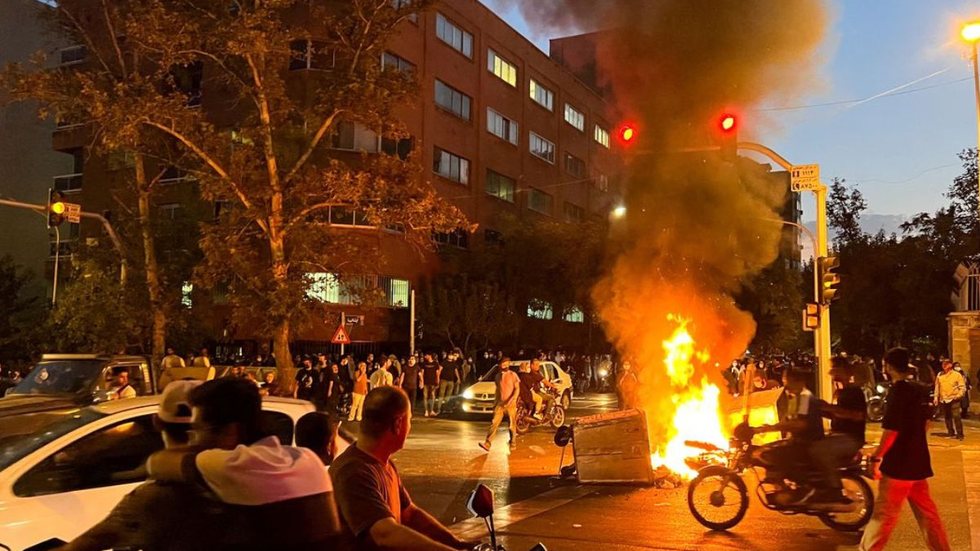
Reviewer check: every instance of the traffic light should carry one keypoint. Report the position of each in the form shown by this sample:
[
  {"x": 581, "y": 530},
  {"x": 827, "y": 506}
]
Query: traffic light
[
  {"x": 828, "y": 279},
  {"x": 728, "y": 135},
  {"x": 626, "y": 134},
  {"x": 56, "y": 208},
  {"x": 811, "y": 317}
]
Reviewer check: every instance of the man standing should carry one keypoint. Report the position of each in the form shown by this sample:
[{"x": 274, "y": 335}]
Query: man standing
[
  {"x": 376, "y": 510},
  {"x": 171, "y": 360},
  {"x": 306, "y": 381},
  {"x": 431, "y": 371},
  {"x": 411, "y": 380},
  {"x": 950, "y": 388},
  {"x": 359, "y": 392},
  {"x": 448, "y": 378},
  {"x": 381, "y": 377},
  {"x": 902, "y": 461},
  {"x": 508, "y": 389},
  {"x": 202, "y": 360}
]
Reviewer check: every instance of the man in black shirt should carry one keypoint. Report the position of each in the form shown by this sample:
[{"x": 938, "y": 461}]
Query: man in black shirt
[
  {"x": 411, "y": 380},
  {"x": 902, "y": 461},
  {"x": 376, "y": 510},
  {"x": 846, "y": 433},
  {"x": 431, "y": 370},
  {"x": 306, "y": 381}
]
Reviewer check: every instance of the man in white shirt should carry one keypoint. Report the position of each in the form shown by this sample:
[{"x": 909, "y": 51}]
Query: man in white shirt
[
  {"x": 950, "y": 387},
  {"x": 120, "y": 387},
  {"x": 508, "y": 389}
]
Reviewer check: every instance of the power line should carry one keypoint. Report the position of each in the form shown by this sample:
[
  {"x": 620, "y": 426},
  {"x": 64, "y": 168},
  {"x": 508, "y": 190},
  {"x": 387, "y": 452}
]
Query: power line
[{"x": 862, "y": 100}]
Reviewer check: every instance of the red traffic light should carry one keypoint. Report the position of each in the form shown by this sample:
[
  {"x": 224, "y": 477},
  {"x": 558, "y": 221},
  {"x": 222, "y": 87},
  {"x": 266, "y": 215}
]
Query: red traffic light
[{"x": 727, "y": 122}]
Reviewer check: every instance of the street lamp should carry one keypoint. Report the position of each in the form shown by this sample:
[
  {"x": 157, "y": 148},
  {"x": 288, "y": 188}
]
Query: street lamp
[
  {"x": 619, "y": 211},
  {"x": 971, "y": 34}
]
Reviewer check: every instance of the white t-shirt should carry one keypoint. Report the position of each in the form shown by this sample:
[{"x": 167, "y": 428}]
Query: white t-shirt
[
  {"x": 265, "y": 472},
  {"x": 381, "y": 377}
]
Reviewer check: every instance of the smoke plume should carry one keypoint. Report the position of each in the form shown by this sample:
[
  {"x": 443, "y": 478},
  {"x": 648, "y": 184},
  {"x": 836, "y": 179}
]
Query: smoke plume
[{"x": 696, "y": 227}]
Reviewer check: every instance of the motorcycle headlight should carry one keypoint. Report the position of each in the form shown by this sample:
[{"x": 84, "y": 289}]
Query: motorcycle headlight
[
  {"x": 603, "y": 372},
  {"x": 880, "y": 388},
  {"x": 468, "y": 394}
]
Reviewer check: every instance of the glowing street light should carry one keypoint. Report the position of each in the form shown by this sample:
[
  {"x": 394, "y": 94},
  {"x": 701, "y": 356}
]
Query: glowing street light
[
  {"x": 619, "y": 211},
  {"x": 971, "y": 31},
  {"x": 971, "y": 34}
]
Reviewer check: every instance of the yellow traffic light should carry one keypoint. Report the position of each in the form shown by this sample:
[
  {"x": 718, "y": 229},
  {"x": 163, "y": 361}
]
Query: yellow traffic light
[
  {"x": 58, "y": 208},
  {"x": 827, "y": 278},
  {"x": 811, "y": 317}
]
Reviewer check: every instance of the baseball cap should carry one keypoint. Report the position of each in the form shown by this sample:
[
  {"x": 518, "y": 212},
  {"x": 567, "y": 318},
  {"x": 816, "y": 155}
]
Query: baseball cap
[{"x": 175, "y": 406}]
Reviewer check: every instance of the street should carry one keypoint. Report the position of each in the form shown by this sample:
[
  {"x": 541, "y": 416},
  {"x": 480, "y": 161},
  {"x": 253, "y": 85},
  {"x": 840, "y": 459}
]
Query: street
[{"x": 441, "y": 464}]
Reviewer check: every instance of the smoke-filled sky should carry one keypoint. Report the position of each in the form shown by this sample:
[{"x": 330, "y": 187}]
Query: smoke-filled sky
[{"x": 900, "y": 148}]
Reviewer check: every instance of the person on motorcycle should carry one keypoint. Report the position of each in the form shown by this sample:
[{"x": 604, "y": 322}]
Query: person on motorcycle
[
  {"x": 542, "y": 400},
  {"x": 802, "y": 422},
  {"x": 846, "y": 432}
]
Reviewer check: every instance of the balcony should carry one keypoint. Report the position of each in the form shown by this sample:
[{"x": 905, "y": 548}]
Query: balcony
[{"x": 68, "y": 182}]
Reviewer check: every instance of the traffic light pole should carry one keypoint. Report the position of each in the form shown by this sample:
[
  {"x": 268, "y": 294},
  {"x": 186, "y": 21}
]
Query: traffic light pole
[
  {"x": 113, "y": 236},
  {"x": 821, "y": 337},
  {"x": 57, "y": 257}
]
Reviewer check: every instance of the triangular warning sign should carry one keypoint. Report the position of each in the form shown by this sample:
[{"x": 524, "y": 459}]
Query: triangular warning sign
[{"x": 341, "y": 336}]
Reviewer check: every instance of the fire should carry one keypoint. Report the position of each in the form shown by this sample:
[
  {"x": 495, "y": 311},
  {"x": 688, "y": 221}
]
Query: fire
[{"x": 697, "y": 412}]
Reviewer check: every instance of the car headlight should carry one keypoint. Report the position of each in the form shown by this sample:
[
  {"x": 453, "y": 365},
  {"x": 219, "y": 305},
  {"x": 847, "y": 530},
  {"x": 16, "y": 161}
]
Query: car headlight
[
  {"x": 880, "y": 388},
  {"x": 468, "y": 394}
]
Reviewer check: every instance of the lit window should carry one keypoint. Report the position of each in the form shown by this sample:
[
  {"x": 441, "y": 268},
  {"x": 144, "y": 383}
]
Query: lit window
[
  {"x": 539, "y": 201},
  {"x": 504, "y": 70},
  {"x": 501, "y": 126},
  {"x": 574, "y": 117},
  {"x": 450, "y": 166},
  {"x": 352, "y": 136},
  {"x": 500, "y": 186},
  {"x": 323, "y": 287},
  {"x": 602, "y": 136},
  {"x": 574, "y": 315},
  {"x": 448, "y": 32},
  {"x": 397, "y": 291},
  {"x": 452, "y": 100},
  {"x": 542, "y": 148},
  {"x": 541, "y": 95},
  {"x": 186, "y": 289},
  {"x": 539, "y": 309}
]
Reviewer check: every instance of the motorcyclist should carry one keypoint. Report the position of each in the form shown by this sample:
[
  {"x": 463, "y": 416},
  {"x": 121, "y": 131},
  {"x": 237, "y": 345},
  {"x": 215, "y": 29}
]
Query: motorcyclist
[
  {"x": 804, "y": 425},
  {"x": 532, "y": 381},
  {"x": 846, "y": 436}
]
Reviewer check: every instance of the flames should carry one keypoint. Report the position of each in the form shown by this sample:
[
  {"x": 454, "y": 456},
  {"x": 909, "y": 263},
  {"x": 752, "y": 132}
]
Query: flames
[{"x": 696, "y": 413}]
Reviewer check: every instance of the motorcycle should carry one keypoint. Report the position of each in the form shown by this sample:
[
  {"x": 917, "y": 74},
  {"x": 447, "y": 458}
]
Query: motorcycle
[
  {"x": 554, "y": 415},
  {"x": 875, "y": 395},
  {"x": 480, "y": 504},
  {"x": 718, "y": 497}
]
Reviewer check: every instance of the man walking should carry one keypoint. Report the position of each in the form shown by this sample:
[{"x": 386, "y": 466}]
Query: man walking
[
  {"x": 411, "y": 380},
  {"x": 902, "y": 462},
  {"x": 950, "y": 388},
  {"x": 508, "y": 388},
  {"x": 448, "y": 379},
  {"x": 431, "y": 371}
]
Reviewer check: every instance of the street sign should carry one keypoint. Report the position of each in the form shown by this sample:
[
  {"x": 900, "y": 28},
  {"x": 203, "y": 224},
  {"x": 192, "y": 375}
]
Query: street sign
[
  {"x": 805, "y": 177},
  {"x": 341, "y": 336},
  {"x": 73, "y": 212},
  {"x": 352, "y": 319}
]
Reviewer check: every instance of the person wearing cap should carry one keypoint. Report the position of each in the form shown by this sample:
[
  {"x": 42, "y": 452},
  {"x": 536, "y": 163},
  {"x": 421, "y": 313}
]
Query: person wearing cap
[{"x": 158, "y": 515}]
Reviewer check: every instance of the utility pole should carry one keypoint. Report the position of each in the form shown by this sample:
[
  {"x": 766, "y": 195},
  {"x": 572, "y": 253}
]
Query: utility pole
[{"x": 411, "y": 323}]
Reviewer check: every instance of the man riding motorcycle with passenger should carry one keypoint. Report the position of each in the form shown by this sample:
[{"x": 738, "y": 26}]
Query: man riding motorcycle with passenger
[
  {"x": 807, "y": 444},
  {"x": 531, "y": 392}
]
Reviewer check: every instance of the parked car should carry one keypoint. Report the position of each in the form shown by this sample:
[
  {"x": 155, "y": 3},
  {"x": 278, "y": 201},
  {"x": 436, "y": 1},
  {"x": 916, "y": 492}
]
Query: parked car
[
  {"x": 479, "y": 397},
  {"x": 74, "y": 380},
  {"x": 62, "y": 471}
]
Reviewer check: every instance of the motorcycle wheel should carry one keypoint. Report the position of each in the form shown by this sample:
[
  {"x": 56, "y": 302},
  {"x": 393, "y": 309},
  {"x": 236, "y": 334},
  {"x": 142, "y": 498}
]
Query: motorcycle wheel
[
  {"x": 717, "y": 498},
  {"x": 876, "y": 411},
  {"x": 523, "y": 424},
  {"x": 858, "y": 490},
  {"x": 566, "y": 400},
  {"x": 558, "y": 417}
]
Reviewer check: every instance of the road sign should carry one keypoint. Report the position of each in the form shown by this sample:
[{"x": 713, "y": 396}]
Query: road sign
[
  {"x": 805, "y": 177},
  {"x": 73, "y": 212},
  {"x": 341, "y": 336},
  {"x": 351, "y": 319}
]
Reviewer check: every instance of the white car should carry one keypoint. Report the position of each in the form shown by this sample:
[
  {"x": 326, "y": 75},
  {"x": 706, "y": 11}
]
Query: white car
[
  {"x": 480, "y": 396},
  {"x": 62, "y": 471}
]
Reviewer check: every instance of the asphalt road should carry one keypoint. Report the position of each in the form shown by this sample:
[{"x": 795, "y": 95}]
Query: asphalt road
[{"x": 442, "y": 463}]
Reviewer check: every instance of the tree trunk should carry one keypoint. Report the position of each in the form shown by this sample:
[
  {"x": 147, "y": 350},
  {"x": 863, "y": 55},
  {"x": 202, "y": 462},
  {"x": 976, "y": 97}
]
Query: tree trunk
[
  {"x": 284, "y": 359},
  {"x": 157, "y": 306},
  {"x": 280, "y": 272}
]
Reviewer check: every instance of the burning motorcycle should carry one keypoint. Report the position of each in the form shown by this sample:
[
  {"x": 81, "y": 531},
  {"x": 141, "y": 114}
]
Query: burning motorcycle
[
  {"x": 553, "y": 414},
  {"x": 718, "y": 496}
]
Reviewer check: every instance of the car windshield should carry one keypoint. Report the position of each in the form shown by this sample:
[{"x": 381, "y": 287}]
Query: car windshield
[
  {"x": 492, "y": 374},
  {"x": 61, "y": 377},
  {"x": 23, "y": 434}
]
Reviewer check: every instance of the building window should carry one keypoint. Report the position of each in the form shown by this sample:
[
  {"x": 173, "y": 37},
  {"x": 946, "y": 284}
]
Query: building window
[
  {"x": 574, "y": 165},
  {"x": 457, "y": 238},
  {"x": 500, "y": 186},
  {"x": 574, "y": 117},
  {"x": 186, "y": 290},
  {"x": 574, "y": 213},
  {"x": 448, "y": 32},
  {"x": 73, "y": 55},
  {"x": 493, "y": 237},
  {"x": 396, "y": 291},
  {"x": 345, "y": 216},
  {"x": 401, "y": 148},
  {"x": 397, "y": 63},
  {"x": 310, "y": 54},
  {"x": 499, "y": 66},
  {"x": 601, "y": 136},
  {"x": 352, "y": 136},
  {"x": 539, "y": 201},
  {"x": 323, "y": 287},
  {"x": 601, "y": 182},
  {"x": 400, "y": 4},
  {"x": 539, "y": 309},
  {"x": 451, "y": 167},
  {"x": 541, "y": 95},
  {"x": 542, "y": 148},
  {"x": 501, "y": 126},
  {"x": 170, "y": 211},
  {"x": 574, "y": 315},
  {"x": 172, "y": 175},
  {"x": 452, "y": 100}
]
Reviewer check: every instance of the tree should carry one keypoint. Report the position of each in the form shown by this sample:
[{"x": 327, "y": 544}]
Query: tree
[
  {"x": 774, "y": 297},
  {"x": 844, "y": 208},
  {"x": 20, "y": 312},
  {"x": 463, "y": 312}
]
